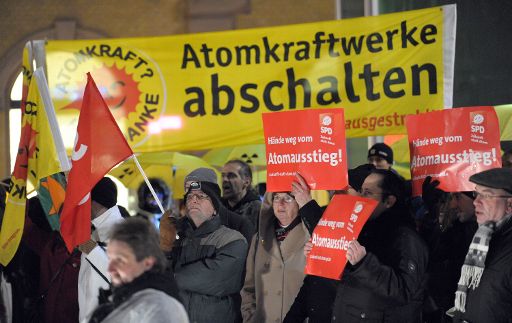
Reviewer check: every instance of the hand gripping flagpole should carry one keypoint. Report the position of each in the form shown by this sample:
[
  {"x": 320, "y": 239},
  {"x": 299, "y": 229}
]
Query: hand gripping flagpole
[{"x": 148, "y": 183}]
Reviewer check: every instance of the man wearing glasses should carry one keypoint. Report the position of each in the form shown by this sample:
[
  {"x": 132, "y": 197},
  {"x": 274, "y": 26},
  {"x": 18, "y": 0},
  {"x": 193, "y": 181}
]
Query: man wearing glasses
[
  {"x": 484, "y": 292},
  {"x": 384, "y": 280},
  {"x": 208, "y": 258}
]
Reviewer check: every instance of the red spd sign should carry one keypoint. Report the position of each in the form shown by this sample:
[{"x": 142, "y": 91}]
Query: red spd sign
[
  {"x": 451, "y": 145},
  {"x": 341, "y": 222},
  {"x": 311, "y": 142}
]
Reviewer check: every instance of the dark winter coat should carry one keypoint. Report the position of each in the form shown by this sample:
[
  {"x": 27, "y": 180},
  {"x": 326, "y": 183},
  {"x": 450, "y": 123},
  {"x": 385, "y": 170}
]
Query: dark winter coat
[
  {"x": 208, "y": 265},
  {"x": 387, "y": 285},
  {"x": 237, "y": 222},
  {"x": 491, "y": 301},
  {"x": 447, "y": 252},
  {"x": 249, "y": 207},
  {"x": 58, "y": 275}
]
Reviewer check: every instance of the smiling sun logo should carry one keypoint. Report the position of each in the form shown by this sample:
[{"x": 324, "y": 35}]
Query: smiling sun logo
[
  {"x": 130, "y": 82},
  {"x": 118, "y": 88}
]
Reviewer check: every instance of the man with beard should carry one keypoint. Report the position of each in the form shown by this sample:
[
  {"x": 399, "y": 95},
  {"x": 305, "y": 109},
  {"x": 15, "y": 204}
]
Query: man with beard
[{"x": 238, "y": 194}]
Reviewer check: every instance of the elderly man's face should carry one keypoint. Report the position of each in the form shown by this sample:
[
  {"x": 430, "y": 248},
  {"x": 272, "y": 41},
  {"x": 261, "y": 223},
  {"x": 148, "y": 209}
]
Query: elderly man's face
[
  {"x": 199, "y": 207},
  {"x": 123, "y": 266},
  {"x": 491, "y": 204}
]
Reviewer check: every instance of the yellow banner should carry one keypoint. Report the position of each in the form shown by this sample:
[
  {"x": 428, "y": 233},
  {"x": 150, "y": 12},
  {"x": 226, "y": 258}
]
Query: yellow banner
[{"x": 200, "y": 91}]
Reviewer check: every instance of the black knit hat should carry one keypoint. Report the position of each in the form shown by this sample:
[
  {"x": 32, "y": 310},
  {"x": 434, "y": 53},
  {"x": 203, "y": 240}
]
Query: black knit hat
[
  {"x": 105, "y": 193},
  {"x": 382, "y": 150},
  {"x": 208, "y": 188},
  {"x": 357, "y": 175}
]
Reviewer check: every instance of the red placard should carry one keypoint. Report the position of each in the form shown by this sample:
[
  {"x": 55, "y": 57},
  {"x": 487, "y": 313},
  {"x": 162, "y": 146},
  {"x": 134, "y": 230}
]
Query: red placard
[
  {"x": 311, "y": 142},
  {"x": 452, "y": 145},
  {"x": 341, "y": 223}
]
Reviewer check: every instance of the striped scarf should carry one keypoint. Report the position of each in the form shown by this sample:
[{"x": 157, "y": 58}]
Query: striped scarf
[{"x": 474, "y": 263}]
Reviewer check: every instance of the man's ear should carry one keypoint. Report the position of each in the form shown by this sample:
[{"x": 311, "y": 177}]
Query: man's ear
[
  {"x": 149, "y": 262},
  {"x": 247, "y": 182},
  {"x": 508, "y": 209},
  {"x": 390, "y": 201}
]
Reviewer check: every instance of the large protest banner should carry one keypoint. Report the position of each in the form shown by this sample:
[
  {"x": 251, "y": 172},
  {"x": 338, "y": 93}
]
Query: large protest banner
[
  {"x": 341, "y": 223},
  {"x": 200, "y": 91},
  {"x": 311, "y": 142},
  {"x": 452, "y": 145}
]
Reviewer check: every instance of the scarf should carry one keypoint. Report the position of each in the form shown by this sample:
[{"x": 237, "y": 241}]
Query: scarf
[
  {"x": 474, "y": 263},
  {"x": 282, "y": 231}
]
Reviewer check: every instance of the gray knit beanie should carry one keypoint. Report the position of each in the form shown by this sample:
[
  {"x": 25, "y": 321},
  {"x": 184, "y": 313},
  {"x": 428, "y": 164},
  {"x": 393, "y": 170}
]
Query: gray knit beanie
[{"x": 202, "y": 174}]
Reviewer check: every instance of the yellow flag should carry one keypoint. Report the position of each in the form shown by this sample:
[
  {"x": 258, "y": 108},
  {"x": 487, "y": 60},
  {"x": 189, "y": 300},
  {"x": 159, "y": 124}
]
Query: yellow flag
[{"x": 37, "y": 158}]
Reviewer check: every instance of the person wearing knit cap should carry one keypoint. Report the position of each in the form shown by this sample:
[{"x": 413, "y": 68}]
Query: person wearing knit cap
[
  {"x": 208, "y": 259},
  {"x": 381, "y": 156},
  {"x": 484, "y": 291},
  {"x": 201, "y": 174},
  {"x": 228, "y": 218},
  {"x": 94, "y": 262}
]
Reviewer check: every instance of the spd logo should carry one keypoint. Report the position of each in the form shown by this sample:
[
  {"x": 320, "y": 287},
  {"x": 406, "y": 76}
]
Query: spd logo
[
  {"x": 358, "y": 207},
  {"x": 477, "y": 122},
  {"x": 326, "y": 120}
]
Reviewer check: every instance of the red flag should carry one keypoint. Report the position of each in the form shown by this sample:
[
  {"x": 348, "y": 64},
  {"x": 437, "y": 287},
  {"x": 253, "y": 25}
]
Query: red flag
[{"x": 99, "y": 146}]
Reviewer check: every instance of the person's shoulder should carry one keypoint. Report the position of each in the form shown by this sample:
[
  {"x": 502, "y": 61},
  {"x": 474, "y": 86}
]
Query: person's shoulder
[
  {"x": 226, "y": 235},
  {"x": 255, "y": 202},
  {"x": 251, "y": 198},
  {"x": 232, "y": 216},
  {"x": 407, "y": 232},
  {"x": 154, "y": 295},
  {"x": 167, "y": 305},
  {"x": 405, "y": 235}
]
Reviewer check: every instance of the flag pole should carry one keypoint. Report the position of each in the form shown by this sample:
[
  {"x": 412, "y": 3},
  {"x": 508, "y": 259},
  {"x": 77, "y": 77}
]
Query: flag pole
[
  {"x": 52, "y": 119},
  {"x": 148, "y": 184}
]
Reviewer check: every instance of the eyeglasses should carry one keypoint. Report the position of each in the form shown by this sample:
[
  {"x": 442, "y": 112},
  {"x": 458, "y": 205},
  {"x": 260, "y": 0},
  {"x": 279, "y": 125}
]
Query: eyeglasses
[
  {"x": 283, "y": 198},
  {"x": 366, "y": 193},
  {"x": 199, "y": 197},
  {"x": 485, "y": 196}
]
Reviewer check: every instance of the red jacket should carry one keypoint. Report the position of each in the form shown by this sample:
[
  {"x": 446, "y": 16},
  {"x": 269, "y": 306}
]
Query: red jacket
[{"x": 61, "y": 301}]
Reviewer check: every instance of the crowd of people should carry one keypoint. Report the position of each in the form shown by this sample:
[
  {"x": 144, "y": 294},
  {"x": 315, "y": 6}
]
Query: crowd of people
[{"x": 231, "y": 256}]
